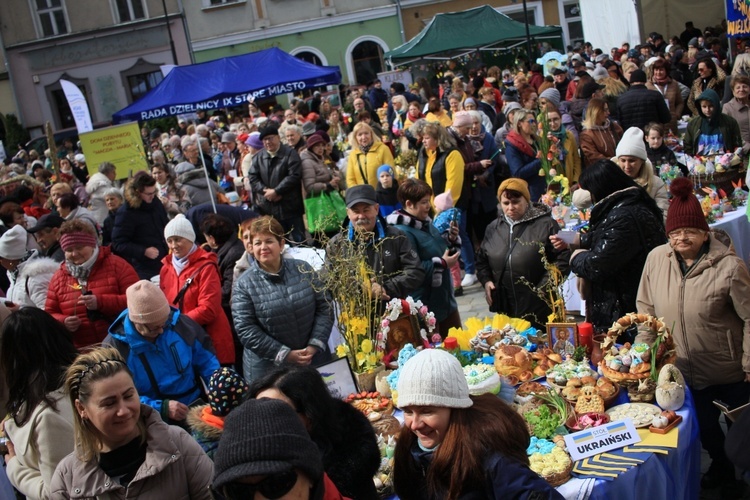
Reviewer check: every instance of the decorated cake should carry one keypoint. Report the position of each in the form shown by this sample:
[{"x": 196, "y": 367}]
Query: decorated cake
[{"x": 482, "y": 379}]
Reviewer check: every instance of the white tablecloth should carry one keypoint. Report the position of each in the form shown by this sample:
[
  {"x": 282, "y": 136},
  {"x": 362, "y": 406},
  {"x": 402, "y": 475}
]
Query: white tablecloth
[{"x": 737, "y": 227}]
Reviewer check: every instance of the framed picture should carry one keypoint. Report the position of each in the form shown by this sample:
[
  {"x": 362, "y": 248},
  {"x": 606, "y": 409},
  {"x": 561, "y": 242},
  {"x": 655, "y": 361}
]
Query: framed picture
[
  {"x": 338, "y": 377},
  {"x": 563, "y": 338}
]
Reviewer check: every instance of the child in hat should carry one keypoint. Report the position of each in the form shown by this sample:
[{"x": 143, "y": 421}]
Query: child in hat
[
  {"x": 386, "y": 191},
  {"x": 446, "y": 218}
]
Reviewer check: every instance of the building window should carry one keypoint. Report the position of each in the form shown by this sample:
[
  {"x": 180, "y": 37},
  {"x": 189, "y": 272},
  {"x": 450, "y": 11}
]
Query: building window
[
  {"x": 51, "y": 15},
  {"x": 140, "y": 78},
  {"x": 309, "y": 57},
  {"x": 367, "y": 57},
  {"x": 139, "y": 85},
  {"x": 221, "y": 2},
  {"x": 573, "y": 22},
  {"x": 519, "y": 16},
  {"x": 130, "y": 10}
]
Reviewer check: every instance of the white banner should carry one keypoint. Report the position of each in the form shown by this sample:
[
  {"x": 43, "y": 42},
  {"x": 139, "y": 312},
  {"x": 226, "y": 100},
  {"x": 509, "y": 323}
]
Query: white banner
[{"x": 78, "y": 106}]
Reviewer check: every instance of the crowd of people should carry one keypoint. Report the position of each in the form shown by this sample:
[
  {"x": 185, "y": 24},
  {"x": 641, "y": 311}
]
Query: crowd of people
[{"x": 182, "y": 273}]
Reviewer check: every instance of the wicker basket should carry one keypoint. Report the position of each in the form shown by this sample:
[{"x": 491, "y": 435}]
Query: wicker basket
[
  {"x": 666, "y": 354},
  {"x": 560, "y": 478}
]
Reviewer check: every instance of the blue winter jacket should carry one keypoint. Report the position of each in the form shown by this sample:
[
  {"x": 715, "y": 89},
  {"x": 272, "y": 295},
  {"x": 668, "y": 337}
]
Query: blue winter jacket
[{"x": 179, "y": 355}]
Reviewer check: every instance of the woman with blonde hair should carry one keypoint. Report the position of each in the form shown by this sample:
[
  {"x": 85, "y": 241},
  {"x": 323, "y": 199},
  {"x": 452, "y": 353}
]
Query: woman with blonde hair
[
  {"x": 521, "y": 148},
  {"x": 367, "y": 156},
  {"x": 600, "y": 135},
  {"x": 123, "y": 448},
  {"x": 400, "y": 109},
  {"x": 440, "y": 163}
]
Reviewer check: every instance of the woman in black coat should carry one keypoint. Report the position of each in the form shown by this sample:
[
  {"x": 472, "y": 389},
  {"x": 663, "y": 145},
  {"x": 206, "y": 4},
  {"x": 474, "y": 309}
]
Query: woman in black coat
[
  {"x": 510, "y": 253},
  {"x": 344, "y": 436},
  {"x": 138, "y": 233},
  {"x": 625, "y": 226}
]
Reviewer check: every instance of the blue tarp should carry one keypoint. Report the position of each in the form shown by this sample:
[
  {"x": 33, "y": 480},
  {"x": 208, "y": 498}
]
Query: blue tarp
[{"x": 228, "y": 82}]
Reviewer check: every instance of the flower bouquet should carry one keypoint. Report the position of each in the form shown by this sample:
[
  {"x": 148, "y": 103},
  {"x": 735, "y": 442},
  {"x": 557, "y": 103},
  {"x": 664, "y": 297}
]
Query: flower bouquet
[{"x": 549, "y": 151}]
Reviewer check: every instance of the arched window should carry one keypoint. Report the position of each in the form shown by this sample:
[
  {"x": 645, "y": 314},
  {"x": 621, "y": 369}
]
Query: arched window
[
  {"x": 309, "y": 57},
  {"x": 367, "y": 57}
]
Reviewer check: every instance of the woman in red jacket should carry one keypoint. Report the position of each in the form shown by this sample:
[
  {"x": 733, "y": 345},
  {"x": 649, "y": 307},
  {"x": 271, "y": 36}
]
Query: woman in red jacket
[
  {"x": 87, "y": 293},
  {"x": 200, "y": 297}
]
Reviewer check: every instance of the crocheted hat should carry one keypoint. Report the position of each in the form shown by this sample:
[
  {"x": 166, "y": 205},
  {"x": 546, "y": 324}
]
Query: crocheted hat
[
  {"x": 226, "y": 391},
  {"x": 433, "y": 378}
]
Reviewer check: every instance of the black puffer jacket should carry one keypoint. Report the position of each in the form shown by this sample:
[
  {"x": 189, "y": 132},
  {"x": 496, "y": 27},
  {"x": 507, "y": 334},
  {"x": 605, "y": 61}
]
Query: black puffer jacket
[
  {"x": 639, "y": 106},
  {"x": 277, "y": 313},
  {"x": 352, "y": 458},
  {"x": 512, "y": 297},
  {"x": 625, "y": 227},
  {"x": 283, "y": 173},
  {"x": 138, "y": 226}
]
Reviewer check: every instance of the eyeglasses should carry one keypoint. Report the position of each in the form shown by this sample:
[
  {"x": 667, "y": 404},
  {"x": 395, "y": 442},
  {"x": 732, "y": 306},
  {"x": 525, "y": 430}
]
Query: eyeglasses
[
  {"x": 152, "y": 193},
  {"x": 273, "y": 486},
  {"x": 531, "y": 121},
  {"x": 145, "y": 329},
  {"x": 685, "y": 233}
]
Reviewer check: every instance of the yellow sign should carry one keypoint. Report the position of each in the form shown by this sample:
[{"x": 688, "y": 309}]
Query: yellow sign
[{"x": 120, "y": 145}]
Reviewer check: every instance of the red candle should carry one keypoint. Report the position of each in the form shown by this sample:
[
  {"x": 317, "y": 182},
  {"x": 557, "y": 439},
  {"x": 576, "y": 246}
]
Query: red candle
[
  {"x": 586, "y": 336},
  {"x": 450, "y": 344}
]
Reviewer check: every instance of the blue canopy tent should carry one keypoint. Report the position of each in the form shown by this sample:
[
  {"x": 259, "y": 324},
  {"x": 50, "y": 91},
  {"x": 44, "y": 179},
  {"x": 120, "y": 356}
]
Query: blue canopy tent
[{"x": 228, "y": 82}]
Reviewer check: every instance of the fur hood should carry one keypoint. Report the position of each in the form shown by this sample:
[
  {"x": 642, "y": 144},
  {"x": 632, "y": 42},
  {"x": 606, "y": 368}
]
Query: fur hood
[
  {"x": 132, "y": 198},
  {"x": 37, "y": 267},
  {"x": 96, "y": 182},
  {"x": 197, "y": 424}
]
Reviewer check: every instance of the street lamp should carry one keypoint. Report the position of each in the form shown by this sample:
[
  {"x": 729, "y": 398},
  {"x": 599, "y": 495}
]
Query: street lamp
[{"x": 526, "y": 23}]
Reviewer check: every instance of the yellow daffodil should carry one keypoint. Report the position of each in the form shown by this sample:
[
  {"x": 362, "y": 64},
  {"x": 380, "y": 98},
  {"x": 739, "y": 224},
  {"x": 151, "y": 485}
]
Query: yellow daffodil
[
  {"x": 341, "y": 350},
  {"x": 366, "y": 346}
]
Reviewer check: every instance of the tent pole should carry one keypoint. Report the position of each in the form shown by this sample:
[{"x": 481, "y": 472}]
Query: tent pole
[
  {"x": 528, "y": 36},
  {"x": 212, "y": 196}
]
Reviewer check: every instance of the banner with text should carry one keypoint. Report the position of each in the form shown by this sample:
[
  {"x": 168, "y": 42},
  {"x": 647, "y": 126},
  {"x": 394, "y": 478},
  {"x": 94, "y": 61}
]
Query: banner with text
[
  {"x": 78, "y": 106},
  {"x": 590, "y": 442},
  {"x": 738, "y": 20},
  {"x": 120, "y": 145}
]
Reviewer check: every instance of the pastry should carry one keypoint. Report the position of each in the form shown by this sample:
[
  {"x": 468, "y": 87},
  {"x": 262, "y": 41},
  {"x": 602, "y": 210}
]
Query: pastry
[
  {"x": 368, "y": 402},
  {"x": 482, "y": 379},
  {"x": 589, "y": 401},
  {"x": 531, "y": 388}
]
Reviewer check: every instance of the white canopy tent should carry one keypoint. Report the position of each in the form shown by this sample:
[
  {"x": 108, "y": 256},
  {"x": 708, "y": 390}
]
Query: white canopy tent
[{"x": 609, "y": 23}]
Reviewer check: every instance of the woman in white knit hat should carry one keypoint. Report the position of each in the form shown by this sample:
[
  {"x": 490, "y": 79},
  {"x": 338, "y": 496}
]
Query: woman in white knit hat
[
  {"x": 28, "y": 272},
  {"x": 633, "y": 160},
  {"x": 190, "y": 279},
  {"x": 454, "y": 445}
]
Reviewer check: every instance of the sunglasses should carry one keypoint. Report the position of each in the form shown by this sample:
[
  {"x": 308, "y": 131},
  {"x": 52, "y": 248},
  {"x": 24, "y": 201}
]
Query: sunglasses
[
  {"x": 272, "y": 487},
  {"x": 531, "y": 121}
]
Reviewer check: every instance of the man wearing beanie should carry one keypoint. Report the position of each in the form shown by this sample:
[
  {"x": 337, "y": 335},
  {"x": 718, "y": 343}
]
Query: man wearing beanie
[
  {"x": 276, "y": 180},
  {"x": 164, "y": 350},
  {"x": 639, "y": 105},
  {"x": 697, "y": 283},
  {"x": 190, "y": 280},
  {"x": 265, "y": 448}
]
